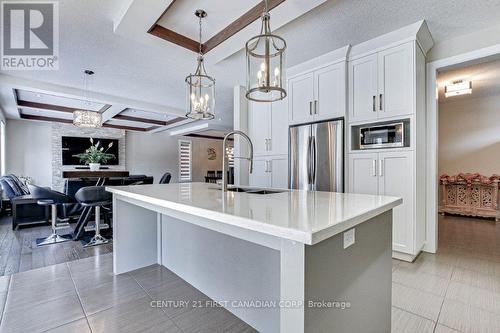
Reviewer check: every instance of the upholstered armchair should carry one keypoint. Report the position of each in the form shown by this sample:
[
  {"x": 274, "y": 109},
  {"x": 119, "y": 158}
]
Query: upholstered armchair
[{"x": 25, "y": 209}]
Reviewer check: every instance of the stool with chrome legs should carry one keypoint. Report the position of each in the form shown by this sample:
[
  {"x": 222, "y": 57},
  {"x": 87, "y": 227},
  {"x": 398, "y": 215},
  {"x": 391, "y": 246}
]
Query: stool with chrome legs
[
  {"x": 95, "y": 196},
  {"x": 58, "y": 203}
]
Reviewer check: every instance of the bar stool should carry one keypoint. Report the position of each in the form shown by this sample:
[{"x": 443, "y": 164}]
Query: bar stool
[
  {"x": 97, "y": 197},
  {"x": 59, "y": 220}
]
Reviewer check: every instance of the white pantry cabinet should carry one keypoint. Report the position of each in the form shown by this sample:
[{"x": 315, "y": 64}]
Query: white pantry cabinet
[
  {"x": 389, "y": 173},
  {"x": 382, "y": 84},
  {"x": 317, "y": 95},
  {"x": 270, "y": 172},
  {"x": 268, "y": 128}
]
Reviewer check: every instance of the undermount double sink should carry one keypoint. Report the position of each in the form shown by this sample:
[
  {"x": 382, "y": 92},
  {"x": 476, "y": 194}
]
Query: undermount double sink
[{"x": 253, "y": 190}]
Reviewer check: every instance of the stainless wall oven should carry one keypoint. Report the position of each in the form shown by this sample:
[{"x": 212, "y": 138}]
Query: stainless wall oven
[{"x": 390, "y": 135}]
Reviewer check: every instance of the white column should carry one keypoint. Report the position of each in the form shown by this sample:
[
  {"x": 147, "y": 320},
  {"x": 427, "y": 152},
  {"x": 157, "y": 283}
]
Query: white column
[
  {"x": 134, "y": 236},
  {"x": 292, "y": 286}
]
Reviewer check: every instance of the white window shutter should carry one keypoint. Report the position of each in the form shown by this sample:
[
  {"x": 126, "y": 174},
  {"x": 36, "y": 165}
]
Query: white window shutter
[{"x": 185, "y": 160}]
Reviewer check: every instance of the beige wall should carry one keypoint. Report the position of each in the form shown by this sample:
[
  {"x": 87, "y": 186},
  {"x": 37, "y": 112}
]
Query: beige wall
[
  {"x": 465, "y": 43},
  {"x": 469, "y": 136},
  {"x": 28, "y": 150},
  {"x": 152, "y": 154},
  {"x": 201, "y": 163}
]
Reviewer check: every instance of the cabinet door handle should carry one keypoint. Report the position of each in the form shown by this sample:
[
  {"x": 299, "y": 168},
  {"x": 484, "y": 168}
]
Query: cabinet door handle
[
  {"x": 265, "y": 142},
  {"x": 270, "y": 168},
  {"x": 374, "y": 108},
  {"x": 380, "y": 102},
  {"x": 310, "y": 108},
  {"x": 315, "y": 107},
  {"x": 269, "y": 144},
  {"x": 374, "y": 168},
  {"x": 381, "y": 168}
]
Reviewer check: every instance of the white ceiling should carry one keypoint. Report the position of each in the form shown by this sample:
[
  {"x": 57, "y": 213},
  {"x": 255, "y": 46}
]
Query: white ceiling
[
  {"x": 30, "y": 96},
  {"x": 485, "y": 79},
  {"x": 154, "y": 74},
  {"x": 220, "y": 13}
]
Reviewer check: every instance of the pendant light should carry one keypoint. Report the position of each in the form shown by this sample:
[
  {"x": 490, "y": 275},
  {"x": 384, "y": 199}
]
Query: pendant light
[
  {"x": 265, "y": 55},
  {"x": 200, "y": 86},
  {"x": 85, "y": 118}
]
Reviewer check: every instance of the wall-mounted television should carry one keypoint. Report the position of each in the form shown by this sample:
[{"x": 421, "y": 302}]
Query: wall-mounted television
[{"x": 72, "y": 145}]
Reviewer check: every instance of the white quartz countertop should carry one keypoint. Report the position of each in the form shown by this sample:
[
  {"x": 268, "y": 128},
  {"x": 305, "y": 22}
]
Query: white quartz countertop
[{"x": 304, "y": 216}]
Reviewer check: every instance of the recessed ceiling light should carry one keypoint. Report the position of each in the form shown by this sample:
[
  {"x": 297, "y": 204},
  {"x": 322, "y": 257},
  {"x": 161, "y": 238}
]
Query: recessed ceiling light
[{"x": 458, "y": 87}]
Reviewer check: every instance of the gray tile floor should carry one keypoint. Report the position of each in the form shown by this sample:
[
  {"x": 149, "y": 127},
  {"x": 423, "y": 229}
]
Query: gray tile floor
[
  {"x": 456, "y": 290},
  {"x": 84, "y": 296}
]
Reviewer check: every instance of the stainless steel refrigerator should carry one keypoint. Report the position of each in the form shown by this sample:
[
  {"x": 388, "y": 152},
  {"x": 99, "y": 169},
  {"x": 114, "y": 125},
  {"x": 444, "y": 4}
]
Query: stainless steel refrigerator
[{"x": 317, "y": 156}]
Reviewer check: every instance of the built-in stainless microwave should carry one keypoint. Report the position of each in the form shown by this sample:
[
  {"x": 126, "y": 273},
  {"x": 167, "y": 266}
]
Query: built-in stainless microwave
[{"x": 382, "y": 136}]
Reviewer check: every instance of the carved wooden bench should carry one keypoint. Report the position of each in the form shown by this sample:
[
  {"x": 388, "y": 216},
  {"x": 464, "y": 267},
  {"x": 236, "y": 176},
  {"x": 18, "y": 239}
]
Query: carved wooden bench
[{"x": 470, "y": 194}]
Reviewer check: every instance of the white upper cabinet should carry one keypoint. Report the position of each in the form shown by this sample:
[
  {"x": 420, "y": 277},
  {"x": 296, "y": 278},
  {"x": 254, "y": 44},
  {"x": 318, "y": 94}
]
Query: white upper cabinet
[
  {"x": 382, "y": 85},
  {"x": 318, "y": 95},
  {"x": 396, "y": 81},
  {"x": 329, "y": 91},
  {"x": 363, "y": 88},
  {"x": 278, "y": 144},
  {"x": 259, "y": 119},
  {"x": 268, "y": 127},
  {"x": 300, "y": 98}
]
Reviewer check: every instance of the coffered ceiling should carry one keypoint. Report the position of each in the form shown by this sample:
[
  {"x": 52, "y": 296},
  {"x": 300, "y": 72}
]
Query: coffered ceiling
[{"x": 39, "y": 106}]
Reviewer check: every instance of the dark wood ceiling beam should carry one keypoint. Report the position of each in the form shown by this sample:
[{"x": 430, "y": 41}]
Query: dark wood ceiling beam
[
  {"x": 43, "y": 118},
  {"x": 70, "y": 121},
  {"x": 234, "y": 27},
  {"x": 42, "y": 106},
  {"x": 240, "y": 23},
  {"x": 49, "y": 107},
  {"x": 175, "y": 120},
  {"x": 203, "y": 136},
  {"x": 104, "y": 108},
  {"x": 140, "y": 120},
  {"x": 130, "y": 128},
  {"x": 174, "y": 37}
]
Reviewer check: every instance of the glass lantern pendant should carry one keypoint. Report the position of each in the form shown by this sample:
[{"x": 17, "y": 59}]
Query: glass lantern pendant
[
  {"x": 265, "y": 55},
  {"x": 200, "y": 87}
]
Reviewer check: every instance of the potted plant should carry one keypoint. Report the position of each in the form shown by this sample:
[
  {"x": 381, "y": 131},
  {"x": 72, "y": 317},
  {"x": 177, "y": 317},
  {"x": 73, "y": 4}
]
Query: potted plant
[{"x": 95, "y": 155}]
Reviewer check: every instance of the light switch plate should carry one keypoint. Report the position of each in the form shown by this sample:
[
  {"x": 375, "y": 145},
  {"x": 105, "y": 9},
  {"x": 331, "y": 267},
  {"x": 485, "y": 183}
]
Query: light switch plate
[{"x": 349, "y": 238}]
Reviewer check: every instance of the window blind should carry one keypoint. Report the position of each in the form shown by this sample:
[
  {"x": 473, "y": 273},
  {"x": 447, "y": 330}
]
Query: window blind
[{"x": 185, "y": 160}]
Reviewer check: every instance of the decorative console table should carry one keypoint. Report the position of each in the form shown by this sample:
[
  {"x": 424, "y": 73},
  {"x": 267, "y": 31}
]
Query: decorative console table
[{"x": 470, "y": 194}]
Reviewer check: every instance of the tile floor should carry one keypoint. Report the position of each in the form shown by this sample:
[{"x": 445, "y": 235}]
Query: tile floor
[
  {"x": 83, "y": 297},
  {"x": 456, "y": 290}
]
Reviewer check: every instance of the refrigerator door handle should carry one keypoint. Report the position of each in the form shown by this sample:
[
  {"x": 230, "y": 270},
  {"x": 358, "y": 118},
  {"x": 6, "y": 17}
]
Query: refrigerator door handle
[
  {"x": 309, "y": 160},
  {"x": 313, "y": 160}
]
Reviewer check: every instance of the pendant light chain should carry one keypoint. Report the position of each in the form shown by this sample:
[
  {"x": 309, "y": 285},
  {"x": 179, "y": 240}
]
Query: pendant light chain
[
  {"x": 200, "y": 46},
  {"x": 200, "y": 86}
]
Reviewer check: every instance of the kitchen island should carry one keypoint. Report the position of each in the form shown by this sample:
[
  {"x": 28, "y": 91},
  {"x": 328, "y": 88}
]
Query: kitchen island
[{"x": 280, "y": 261}]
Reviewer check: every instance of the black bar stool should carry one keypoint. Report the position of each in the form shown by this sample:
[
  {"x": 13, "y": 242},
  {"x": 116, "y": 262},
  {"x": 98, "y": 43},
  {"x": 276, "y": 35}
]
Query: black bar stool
[
  {"x": 97, "y": 197},
  {"x": 47, "y": 197}
]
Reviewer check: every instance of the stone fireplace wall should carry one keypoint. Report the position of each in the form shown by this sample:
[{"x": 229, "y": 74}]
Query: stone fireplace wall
[{"x": 60, "y": 130}]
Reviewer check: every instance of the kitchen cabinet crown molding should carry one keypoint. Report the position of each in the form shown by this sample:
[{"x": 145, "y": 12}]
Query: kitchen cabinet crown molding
[
  {"x": 330, "y": 58},
  {"x": 418, "y": 31}
]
